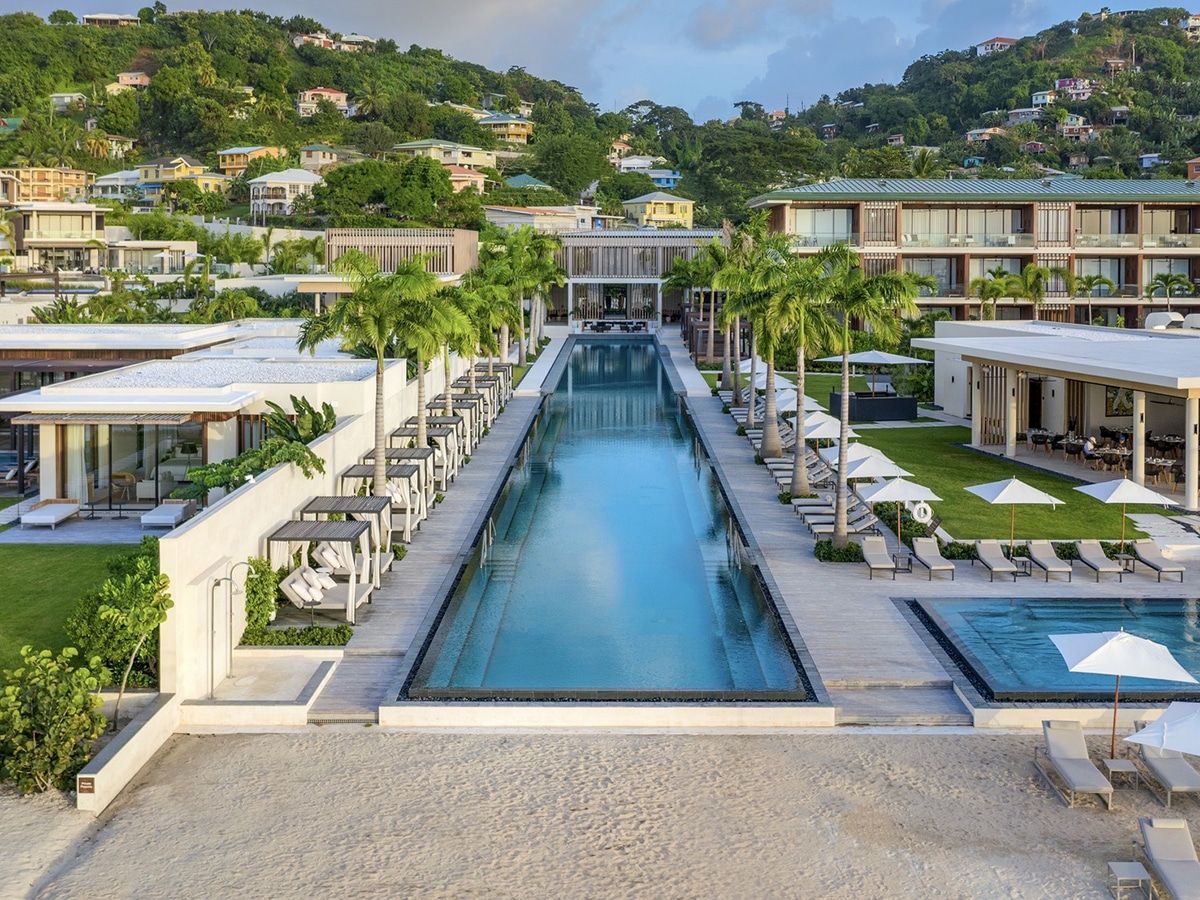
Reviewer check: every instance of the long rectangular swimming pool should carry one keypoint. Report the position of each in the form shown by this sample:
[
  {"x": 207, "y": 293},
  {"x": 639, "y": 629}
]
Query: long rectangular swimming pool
[
  {"x": 1004, "y": 646},
  {"x": 610, "y": 574}
]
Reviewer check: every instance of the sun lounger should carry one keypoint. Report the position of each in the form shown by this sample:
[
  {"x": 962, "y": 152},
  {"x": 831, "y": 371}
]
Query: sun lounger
[
  {"x": 1066, "y": 755},
  {"x": 991, "y": 554},
  {"x": 1091, "y": 554},
  {"x": 168, "y": 514},
  {"x": 12, "y": 475},
  {"x": 928, "y": 554},
  {"x": 1043, "y": 556},
  {"x": 1174, "y": 774},
  {"x": 876, "y": 556},
  {"x": 330, "y": 557},
  {"x": 1150, "y": 556},
  {"x": 309, "y": 589},
  {"x": 50, "y": 512},
  {"x": 1168, "y": 848},
  {"x": 868, "y": 524}
]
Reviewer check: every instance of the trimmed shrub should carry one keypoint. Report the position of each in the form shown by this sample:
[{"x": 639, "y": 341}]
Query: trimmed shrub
[
  {"x": 309, "y": 636},
  {"x": 826, "y": 552},
  {"x": 958, "y": 550},
  {"x": 262, "y": 593}
]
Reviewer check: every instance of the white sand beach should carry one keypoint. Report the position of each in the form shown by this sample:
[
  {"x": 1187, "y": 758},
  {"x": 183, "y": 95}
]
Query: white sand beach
[{"x": 353, "y": 811}]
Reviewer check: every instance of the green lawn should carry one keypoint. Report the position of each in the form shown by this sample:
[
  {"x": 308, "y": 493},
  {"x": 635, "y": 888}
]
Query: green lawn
[
  {"x": 8, "y": 501},
  {"x": 816, "y": 386},
  {"x": 38, "y": 589},
  {"x": 931, "y": 455}
]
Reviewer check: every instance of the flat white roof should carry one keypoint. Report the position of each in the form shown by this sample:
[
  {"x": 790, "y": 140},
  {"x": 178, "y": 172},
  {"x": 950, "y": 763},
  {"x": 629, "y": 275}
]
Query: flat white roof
[
  {"x": 1157, "y": 361},
  {"x": 137, "y": 337}
]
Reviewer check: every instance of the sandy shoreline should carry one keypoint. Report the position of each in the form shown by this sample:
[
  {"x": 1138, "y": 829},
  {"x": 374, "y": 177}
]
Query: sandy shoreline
[{"x": 364, "y": 811}]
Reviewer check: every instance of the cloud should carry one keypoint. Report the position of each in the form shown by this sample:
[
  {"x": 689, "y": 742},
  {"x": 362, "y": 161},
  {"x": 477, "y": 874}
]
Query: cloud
[{"x": 721, "y": 24}]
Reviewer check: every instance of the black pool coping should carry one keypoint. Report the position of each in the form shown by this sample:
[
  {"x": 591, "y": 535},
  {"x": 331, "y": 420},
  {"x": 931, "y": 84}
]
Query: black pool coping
[
  {"x": 812, "y": 691},
  {"x": 974, "y": 681}
]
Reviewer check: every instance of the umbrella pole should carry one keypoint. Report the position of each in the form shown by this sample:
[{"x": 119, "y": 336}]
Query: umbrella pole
[
  {"x": 899, "y": 540},
  {"x": 1122, "y": 527},
  {"x": 1012, "y": 528},
  {"x": 1116, "y": 695}
]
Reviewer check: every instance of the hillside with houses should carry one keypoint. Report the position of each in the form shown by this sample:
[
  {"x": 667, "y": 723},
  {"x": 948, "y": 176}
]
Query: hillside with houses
[{"x": 293, "y": 123}]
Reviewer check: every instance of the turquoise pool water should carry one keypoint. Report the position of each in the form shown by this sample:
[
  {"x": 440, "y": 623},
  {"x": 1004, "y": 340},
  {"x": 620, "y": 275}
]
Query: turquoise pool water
[
  {"x": 610, "y": 574},
  {"x": 1005, "y": 645}
]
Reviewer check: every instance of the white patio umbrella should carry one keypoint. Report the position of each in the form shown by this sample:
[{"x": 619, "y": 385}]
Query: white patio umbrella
[
  {"x": 876, "y": 358},
  {"x": 875, "y": 467},
  {"x": 1012, "y": 491},
  {"x": 900, "y": 491},
  {"x": 1123, "y": 491},
  {"x": 826, "y": 431},
  {"x": 746, "y": 364},
  {"x": 785, "y": 401},
  {"x": 853, "y": 452},
  {"x": 1178, "y": 729},
  {"x": 816, "y": 417},
  {"x": 1119, "y": 653},
  {"x": 760, "y": 382}
]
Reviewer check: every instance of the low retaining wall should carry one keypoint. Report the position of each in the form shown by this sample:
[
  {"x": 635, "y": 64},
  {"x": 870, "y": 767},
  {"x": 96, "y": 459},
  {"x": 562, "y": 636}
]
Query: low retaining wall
[
  {"x": 583, "y": 716},
  {"x": 106, "y": 775}
]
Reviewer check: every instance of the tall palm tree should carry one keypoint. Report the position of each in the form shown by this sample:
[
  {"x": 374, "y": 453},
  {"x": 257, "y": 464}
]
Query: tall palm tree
[
  {"x": 744, "y": 249},
  {"x": 1168, "y": 282},
  {"x": 543, "y": 250},
  {"x": 1089, "y": 284},
  {"x": 458, "y": 334},
  {"x": 715, "y": 256},
  {"x": 754, "y": 305},
  {"x": 372, "y": 316},
  {"x": 988, "y": 290},
  {"x": 877, "y": 302},
  {"x": 798, "y": 302}
]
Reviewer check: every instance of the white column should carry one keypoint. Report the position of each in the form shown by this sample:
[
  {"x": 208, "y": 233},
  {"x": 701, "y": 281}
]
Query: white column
[
  {"x": 1011, "y": 380},
  {"x": 1190, "y": 447},
  {"x": 1138, "y": 463},
  {"x": 976, "y": 389}
]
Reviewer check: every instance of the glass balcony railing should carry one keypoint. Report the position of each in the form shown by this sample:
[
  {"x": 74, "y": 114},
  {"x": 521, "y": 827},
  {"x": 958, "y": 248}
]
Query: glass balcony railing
[
  {"x": 1108, "y": 241},
  {"x": 965, "y": 241},
  {"x": 1171, "y": 241},
  {"x": 826, "y": 239},
  {"x": 64, "y": 235}
]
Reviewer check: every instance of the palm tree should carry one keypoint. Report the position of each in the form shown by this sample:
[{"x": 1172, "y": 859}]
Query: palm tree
[
  {"x": 543, "y": 250},
  {"x": 1030, "y": 284},
  {"x": 754, "y": 306},
  {"x": 877, "y": 302},
  {"x": 988, "y": 290},
  {"x": 1168, "y": 282},
  {"x": 715, "y": 256},
  {"x": 925, "y": 163},
  {"x": 372, "y": 316},
  {"x": 458, "y": 334},
  {"x": 734, "y": 276},
  {"x": 798, "y": 303},
  {"x": 1089, "y": 284}
]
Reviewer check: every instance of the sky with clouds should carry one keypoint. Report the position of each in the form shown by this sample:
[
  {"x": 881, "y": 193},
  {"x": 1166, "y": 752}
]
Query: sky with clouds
[{"x": 702, "y": 55}]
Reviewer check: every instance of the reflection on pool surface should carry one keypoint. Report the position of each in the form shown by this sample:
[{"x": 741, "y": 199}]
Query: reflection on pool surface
[
  {"x": 610, "y": 574},
  {"x": 1006, "y": 646}
]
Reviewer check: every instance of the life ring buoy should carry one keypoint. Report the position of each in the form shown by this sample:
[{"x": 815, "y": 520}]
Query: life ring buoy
[{"x": 922, "y": 513}]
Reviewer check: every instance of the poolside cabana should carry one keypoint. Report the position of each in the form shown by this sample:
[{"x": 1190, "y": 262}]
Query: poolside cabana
[
  {"x": 346, "y": 537},
  {"x": 1009, "y": 377},
  {"x": 407, "y": 478},
  {"x": 375, "y": 511},
  {"x": 421, "y": 457}
]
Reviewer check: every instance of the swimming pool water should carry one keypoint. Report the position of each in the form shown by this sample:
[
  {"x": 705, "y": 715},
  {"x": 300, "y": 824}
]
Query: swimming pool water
[
  {"x": 1006, "y": 644},
  {"x": 610, "y": 573}
]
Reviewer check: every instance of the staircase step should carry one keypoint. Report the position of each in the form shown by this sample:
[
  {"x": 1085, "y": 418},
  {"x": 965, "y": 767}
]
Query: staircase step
[{"x": 907, "y": 705}]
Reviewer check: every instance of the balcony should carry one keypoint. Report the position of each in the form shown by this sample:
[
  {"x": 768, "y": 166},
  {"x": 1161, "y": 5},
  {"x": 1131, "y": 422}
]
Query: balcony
[
  {"x": 1126, "y": 241},
  {"x": 965, "y": 241},
  {"x": 1171, "y": 241},
  {"x": 824, "y": 240},
  {"x": 269, "y": 194},
  {"x": 53, "y": 237}
]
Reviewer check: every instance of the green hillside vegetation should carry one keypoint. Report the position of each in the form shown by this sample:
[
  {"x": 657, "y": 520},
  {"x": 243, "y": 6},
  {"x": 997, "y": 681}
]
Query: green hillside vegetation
[{"x": 201, "y": 63}]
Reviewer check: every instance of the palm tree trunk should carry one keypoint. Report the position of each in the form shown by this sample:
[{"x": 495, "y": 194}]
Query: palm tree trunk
[
  {"x": 422, "y": 433},
  {"x": 725, "y": 379},
  {"x": 771, "y": 446},
  {"x": 505, "y": 342},
  {"x": 379, "y": 489},
  {"x": 737, "y": 361},
  {"x": 840, "y": 536},
  {"x": 712, "y": 325},
  {"x": 446, "y": 386},
  {"x": 751, "y": 400},
  {"x": 800, "y": 485},
  {"x": 471, "y": 371},
  {"x": 521, "y": 356}
]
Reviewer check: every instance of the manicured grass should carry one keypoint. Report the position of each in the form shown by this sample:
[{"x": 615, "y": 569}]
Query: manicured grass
[
  {"x": 8, "y": 501},
  {"x": 816, "y": 386},
  {"x": 39, "y": 585},
  {"x": 931, "y": 455},
  {"x": 518, "y": 372}
]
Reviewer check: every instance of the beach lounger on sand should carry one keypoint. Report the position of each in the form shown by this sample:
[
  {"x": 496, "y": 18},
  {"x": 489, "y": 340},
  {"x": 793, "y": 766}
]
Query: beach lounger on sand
[
  {"x": 1174, "y": 774},
  {"x": 991, "y": 554},
  {"x": 1043, "y": 556},
  {"x": 1150, "y": 556},
  {"x": 1066, "y": 755},
  {"x": 928, "y": 554},
  {"x": 876, "y": 556},
  {"x": 1091, "y": 554},
  {"x": 1168, "y": 848}
]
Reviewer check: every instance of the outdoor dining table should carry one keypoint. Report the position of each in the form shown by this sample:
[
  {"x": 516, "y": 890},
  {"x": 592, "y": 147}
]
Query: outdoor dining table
[
  {"x": 377, "y": 511},
  {"x": 409, "y": 476},
  {"x": 446, "y": 445},
  {"x": 419, "y": 456}
]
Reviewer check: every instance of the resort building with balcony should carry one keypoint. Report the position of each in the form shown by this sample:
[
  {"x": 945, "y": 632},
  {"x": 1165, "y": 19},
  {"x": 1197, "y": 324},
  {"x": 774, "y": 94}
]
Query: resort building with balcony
[
  {"x": 44, "y": 183},
  {"x": 110, "y": 20},
  {"x": 117, "y": 186},
  {"x": 157, "y": 173},
  {"x": 508, "y": 128},
  {"x": 308, "y": 101},
  {"x": 274, "y": 193},
  {"x": 449, "y": 153},
  {"x": 995, "y": 45},
  {"x": 133, "y": 79},
  {"x": 49, "y": 236},
  {"x": 958, "y": 230},
  {"x": 659, "y": 210},
  {"x": 235, "y": 160}
]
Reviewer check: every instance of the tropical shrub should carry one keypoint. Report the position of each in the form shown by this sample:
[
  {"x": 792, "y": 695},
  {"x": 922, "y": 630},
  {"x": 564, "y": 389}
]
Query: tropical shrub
[
  {"x": 49, "y": 719},
  {"x": 309, "y": 423},
  {"x": 310, "y": 636},
  {"x": 826, "y": 552},
  {"x": 231, "y": 474},
  {"x": 262, "y": 593}
]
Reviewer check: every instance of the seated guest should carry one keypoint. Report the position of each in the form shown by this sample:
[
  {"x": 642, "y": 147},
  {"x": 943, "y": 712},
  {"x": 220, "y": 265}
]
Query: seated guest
[{"x": 1089, "y": 451}]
